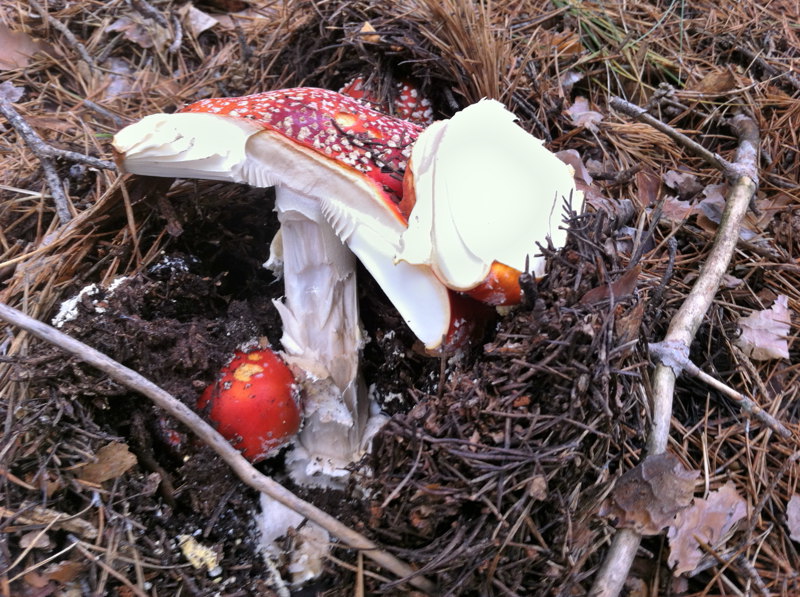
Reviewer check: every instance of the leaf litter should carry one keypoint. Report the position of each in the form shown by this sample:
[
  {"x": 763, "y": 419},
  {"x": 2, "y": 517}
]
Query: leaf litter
[
  {"x": 765, "y": 333},
  {"x": 703, "y": 525}
]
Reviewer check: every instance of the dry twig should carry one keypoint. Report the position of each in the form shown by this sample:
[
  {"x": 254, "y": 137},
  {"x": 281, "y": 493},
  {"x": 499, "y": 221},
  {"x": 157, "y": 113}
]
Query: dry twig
[
  {"x": 46, "y": 155},
  {"x": 687, "y": 320},
  {"x": 243, "y": 469},
  {"x": 675, "y": 357},
  {"x": 732, "y": 170},
  {"x": 64, "y": 30}
]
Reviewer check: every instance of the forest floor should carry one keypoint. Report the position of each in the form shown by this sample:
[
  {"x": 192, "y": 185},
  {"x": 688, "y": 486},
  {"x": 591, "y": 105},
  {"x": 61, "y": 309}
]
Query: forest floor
[{"x": 494, "y": 469}]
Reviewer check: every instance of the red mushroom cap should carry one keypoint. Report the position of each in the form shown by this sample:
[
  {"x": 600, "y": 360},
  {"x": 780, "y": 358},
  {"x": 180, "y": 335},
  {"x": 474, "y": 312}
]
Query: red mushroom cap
[
  {"x": 332, "y": 124},
  {"x": 337, "y": 157},
  {"x": 254, "y": 403}
]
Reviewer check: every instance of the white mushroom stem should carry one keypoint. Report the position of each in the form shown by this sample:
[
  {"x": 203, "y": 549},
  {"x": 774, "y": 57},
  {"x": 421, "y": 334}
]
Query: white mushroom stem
[{"x": 321, "y": 338}]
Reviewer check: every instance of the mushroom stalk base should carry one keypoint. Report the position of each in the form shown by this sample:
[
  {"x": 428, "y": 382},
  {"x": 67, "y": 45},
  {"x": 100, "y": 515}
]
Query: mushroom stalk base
[{"x": 322, "y": 340}]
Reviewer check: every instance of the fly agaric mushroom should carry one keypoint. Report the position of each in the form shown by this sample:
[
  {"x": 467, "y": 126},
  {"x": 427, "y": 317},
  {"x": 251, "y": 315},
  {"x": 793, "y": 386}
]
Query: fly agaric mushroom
[
  {"x": 483, "y": 192},
  {"x": 254, "y": 403},
  {"x": 337, "y": 167}
]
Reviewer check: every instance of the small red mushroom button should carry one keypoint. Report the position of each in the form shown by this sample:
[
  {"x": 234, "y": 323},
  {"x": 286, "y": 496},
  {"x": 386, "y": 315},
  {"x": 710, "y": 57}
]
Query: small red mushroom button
[{"x": 253, "y": 403}]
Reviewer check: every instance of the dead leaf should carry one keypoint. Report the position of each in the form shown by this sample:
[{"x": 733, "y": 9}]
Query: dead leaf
[
  {"x": 563, "y": 43},
  {"x": 713, "y": 204},
  {"x": 706, "y": 521},
  {"x": 573, "y": 159},
  {"x": 18, "y": 48},
  {"x": 64, "y": 572},
  {"x": 683, "y": 183},
  {"x": 10, "y": 93},
  {"x": 144, "y": 32},
  {"x": 715, "y": 83},
  {"x": 37, "y": 540},
  {"x": 627, "y": 327},
  {"x": 770, "y": 206},
  {"x": 729, "y": 281},
  {"x": 368, "y": 33},
  {"x": 35, "y": 580},
  {"x": 582, "y": 114},
  {"x": 677, "y": 211},
  {"x": 647, "y": 186},
  {"x": 793, "y": 517},
  {"x": 36, "y": 515},
  {"x": 764, "y": 332},
  {"x": 247, "y": 15},
  {"x": 537, "y": 488},
  {"x": 622, "y": 286},
  {"x": 112, "y": 461},
  {"x": 196, "y": 20},
  {"x": 647, "y": 497}
]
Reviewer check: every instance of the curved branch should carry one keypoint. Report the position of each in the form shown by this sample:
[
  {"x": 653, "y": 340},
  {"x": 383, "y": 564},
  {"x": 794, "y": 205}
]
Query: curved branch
[{"x": 682, "y": 329}]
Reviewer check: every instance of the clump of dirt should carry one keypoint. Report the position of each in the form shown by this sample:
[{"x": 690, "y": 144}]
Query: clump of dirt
[
  {"x": 177, "y": 322},
  {"x": 474, "y": 477}
]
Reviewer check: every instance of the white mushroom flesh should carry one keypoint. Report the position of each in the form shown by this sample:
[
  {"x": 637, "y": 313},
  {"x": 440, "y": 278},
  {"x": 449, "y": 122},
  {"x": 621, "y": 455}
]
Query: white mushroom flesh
[{"x": 486, "y": 191}]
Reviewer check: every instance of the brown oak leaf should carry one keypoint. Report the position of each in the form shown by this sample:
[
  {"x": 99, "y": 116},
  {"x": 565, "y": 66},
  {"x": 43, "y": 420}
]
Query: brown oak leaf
[
  {"x": 764, "y": 332},
  {"x": 647, "y": 497},
  {"x": 706, "y": 521}
]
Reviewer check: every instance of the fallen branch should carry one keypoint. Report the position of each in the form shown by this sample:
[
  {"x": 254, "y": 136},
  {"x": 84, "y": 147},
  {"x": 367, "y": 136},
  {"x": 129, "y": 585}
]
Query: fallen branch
[
  {"x": 687, "y": 320},
  {"x": 46, "y": 155},
  {"x": 732, "y": 170},
  {"x": 666, "y": 354},
  {"x": 243, "y": 469}
]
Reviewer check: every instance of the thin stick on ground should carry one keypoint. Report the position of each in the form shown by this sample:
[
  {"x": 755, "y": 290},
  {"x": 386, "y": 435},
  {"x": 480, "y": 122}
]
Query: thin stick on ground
[
  {"x": 687, "y": 320},
  {"x": 243, "y": 469},
  {"x": 732, "y": 170},
  {"x": 46, "y": 155},
  {"x": 64, "y": 30},
  {"x": 40, "y": 148},
  {"x": 664, "y": 353}
]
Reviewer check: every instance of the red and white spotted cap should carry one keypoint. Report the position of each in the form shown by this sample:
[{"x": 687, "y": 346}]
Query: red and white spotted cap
[
  {"x": 321, "y": 145},
  {"x": 409, "y": 103}
]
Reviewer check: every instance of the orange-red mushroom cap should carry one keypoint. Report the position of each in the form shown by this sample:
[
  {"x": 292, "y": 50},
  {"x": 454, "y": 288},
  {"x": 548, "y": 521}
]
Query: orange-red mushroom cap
[
  {"x": 320, "y": 145},
  {"x": 254, "y": 403}
]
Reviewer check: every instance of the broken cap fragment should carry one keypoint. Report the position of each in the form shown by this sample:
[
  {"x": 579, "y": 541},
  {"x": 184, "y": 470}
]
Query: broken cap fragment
[{"x": 484, "y": 193}]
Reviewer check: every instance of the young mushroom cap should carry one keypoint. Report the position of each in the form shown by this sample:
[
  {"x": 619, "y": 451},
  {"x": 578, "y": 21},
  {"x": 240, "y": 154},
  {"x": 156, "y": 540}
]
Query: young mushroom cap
[
  {"x": 317, "y": 144},
  {"x": 253, "y": 403},
  {"x": 484, "y": 192}
]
